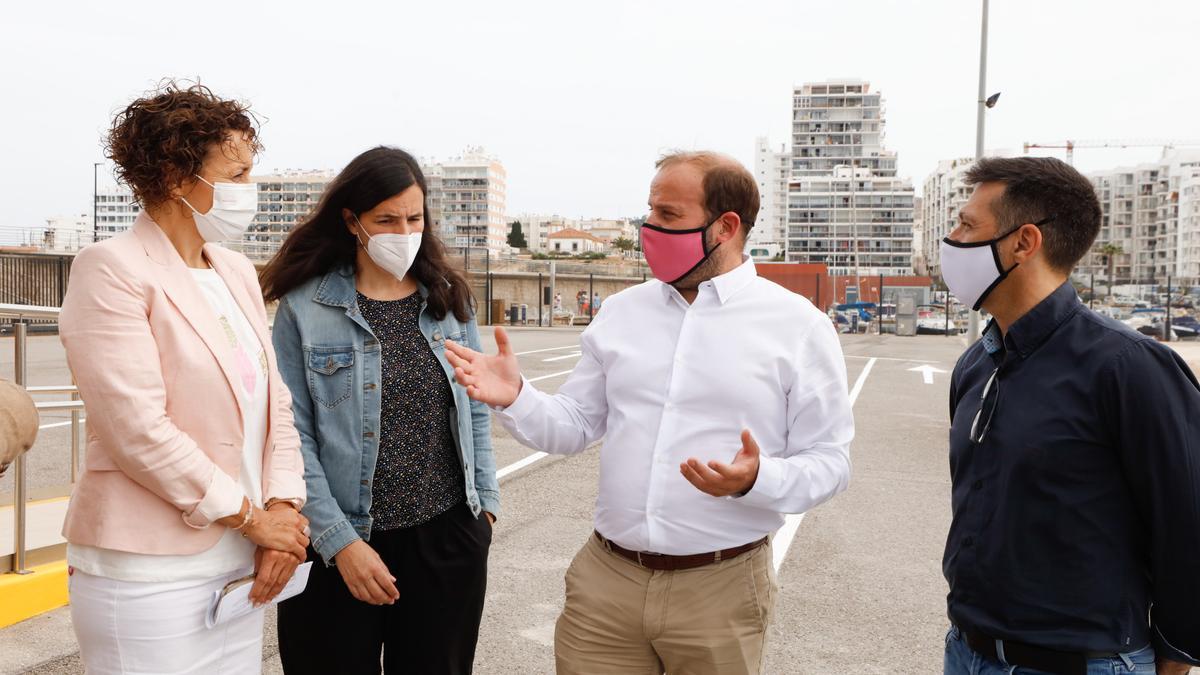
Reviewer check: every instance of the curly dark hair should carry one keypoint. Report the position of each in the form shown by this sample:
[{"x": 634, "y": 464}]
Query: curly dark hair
[{"x": 160, "y": 140}]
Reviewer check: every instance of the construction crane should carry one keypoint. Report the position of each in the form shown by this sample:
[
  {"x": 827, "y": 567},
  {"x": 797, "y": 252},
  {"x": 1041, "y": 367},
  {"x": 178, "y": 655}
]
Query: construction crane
[{"x": 1165, "y": 144}]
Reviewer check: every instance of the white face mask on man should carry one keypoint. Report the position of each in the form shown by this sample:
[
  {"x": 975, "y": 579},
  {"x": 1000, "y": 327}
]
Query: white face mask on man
[
  {"x": 972, "y": 270},
  {"x": 395, "y": 253},
  {"x": 233, "y": 209}
]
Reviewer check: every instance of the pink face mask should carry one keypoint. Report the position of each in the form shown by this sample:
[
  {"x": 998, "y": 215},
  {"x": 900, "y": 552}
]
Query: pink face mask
[{"x": 674, "y": 254}]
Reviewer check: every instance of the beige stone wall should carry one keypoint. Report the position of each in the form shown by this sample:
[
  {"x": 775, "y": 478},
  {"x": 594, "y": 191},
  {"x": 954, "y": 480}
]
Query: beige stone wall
[{"x": 523, "y": 289}]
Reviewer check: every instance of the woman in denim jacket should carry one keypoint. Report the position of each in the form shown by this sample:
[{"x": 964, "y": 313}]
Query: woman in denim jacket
[{"x": 402, "y": 488}]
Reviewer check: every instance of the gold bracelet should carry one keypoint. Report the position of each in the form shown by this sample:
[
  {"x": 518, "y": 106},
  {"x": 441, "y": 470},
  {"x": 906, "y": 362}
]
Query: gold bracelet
[{"x": 294, "y": 503}]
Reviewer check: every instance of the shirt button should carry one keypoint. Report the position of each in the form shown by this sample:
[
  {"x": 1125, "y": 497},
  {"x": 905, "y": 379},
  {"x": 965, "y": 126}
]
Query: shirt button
[
  {"x": 366, "y": 482},
  {"x": 369, "y": 434},
  {"x": 437, "y": 335},
  {"x": 370, "y": 386},
  {"x": 969, "y": 542},
  {"x": 976, "y": 485}
]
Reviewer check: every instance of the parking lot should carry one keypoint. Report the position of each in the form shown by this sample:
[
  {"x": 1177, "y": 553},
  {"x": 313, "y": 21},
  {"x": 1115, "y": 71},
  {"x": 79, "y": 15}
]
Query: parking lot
[{"x": 860, "y": 577}]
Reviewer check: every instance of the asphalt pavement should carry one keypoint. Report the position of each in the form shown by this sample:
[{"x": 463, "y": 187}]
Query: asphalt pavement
[{"x": 861, "y": 585}]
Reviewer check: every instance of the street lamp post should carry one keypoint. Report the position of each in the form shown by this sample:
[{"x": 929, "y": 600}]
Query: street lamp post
[
  {"x": 95, "y": 195},
  {"x": 982, "y": 105}
]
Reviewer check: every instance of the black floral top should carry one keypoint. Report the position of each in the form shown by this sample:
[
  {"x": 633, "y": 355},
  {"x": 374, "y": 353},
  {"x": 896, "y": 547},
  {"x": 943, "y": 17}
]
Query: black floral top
[{"x": 418, "y": 474}]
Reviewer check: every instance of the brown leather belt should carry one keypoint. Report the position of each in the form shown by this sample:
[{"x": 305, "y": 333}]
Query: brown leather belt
[{"x": 669, "y": 563}]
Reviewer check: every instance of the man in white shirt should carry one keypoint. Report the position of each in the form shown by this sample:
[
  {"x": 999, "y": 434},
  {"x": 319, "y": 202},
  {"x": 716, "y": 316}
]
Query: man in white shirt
[{"x": 721, "y": 398}]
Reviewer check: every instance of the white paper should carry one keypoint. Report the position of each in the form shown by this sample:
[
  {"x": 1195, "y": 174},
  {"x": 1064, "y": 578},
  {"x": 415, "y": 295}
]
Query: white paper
[{"x": 235, "y": 603}]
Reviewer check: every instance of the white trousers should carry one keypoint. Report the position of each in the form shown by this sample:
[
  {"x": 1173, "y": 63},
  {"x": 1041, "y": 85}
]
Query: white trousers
[{"x": 157, "y": 628}]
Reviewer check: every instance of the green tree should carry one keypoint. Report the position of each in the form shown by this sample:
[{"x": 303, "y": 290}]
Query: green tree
[
  {"x": 1110, "y": 251},
  {"x": 516, "y": 238},
  {"x": 623, "y": 244}
]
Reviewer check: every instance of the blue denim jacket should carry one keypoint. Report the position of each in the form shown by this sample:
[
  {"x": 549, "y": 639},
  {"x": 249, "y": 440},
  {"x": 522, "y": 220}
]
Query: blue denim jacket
[{"x": 331, "y": 361}]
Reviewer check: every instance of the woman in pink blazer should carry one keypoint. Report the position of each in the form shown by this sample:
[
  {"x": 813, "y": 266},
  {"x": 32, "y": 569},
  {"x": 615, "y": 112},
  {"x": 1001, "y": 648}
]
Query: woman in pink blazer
[{"x": 193, "y": 475}]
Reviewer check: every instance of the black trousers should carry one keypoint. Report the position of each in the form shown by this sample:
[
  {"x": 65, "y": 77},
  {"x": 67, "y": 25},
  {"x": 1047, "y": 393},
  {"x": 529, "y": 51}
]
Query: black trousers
[{"x": 441, "y": 572}]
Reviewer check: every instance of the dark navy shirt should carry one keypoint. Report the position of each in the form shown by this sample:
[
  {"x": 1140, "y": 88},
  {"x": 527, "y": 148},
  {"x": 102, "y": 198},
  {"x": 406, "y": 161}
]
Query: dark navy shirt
[{"x": 1079, "y": 511}]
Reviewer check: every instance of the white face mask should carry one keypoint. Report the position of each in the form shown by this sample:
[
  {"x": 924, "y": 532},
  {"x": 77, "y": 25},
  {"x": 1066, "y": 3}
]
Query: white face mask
[
  {"x": 233, "y": 209},
  {"x": 395, "y": 253},
  {"x": 973, "y": 270}
]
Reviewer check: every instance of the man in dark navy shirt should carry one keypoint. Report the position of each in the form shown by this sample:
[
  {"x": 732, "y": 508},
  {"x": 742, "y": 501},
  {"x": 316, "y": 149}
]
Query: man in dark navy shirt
[{"x": 1074, "y": 452}]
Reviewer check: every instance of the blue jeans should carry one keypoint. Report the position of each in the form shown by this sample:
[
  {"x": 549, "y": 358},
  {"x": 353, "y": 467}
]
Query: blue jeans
[{"x": 962, "y": 660}]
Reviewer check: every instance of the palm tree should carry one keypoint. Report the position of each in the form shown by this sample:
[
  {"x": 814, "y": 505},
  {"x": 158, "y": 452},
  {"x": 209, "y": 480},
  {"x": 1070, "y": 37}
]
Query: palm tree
[{"x": 1110, "y": 251}]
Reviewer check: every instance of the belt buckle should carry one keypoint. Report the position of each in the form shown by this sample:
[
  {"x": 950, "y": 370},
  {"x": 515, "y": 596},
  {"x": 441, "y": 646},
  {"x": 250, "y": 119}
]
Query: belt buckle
[{"x": 648, "y": 555}]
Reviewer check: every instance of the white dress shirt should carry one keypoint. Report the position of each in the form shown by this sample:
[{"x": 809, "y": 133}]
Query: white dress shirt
[{"x": 662, "y": 381}]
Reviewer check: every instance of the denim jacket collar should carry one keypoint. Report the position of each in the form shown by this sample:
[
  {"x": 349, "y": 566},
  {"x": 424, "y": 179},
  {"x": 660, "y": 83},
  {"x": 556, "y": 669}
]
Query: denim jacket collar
[{"x": 337, "y": 289}]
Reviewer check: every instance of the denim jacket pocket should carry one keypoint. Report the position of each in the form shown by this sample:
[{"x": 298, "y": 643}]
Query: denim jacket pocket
[{"x": 330, "y": 375}]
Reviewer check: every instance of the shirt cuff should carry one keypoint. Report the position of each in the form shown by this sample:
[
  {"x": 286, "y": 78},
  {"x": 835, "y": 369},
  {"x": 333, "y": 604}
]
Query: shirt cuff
[
  {"x": 768, "y": 487},
  {"x": 286, "y": 485},
  {"x": 224, "y": 498},
  {"x": 524, "y": 404}
]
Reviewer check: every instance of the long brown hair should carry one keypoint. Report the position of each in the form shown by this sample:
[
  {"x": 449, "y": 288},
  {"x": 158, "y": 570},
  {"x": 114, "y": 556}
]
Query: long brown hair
[{"x": 322, "y": 243}]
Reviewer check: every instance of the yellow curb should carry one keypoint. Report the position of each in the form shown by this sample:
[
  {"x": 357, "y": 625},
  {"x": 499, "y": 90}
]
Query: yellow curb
[
  {"x": 23, "y": 596},
  {"x": 36, "y": 502}
]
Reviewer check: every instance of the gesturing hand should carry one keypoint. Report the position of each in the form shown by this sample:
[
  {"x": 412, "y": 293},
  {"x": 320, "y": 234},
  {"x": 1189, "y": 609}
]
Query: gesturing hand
[
  {"x": 721, "y": 480},
  {"x": 365, "y": 574},
  {"x": 494, "y": 380}
]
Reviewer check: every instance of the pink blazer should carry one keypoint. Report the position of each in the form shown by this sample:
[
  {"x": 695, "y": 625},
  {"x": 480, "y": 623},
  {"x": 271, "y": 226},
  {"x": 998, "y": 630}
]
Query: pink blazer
[{"x": 157, "y": 378}]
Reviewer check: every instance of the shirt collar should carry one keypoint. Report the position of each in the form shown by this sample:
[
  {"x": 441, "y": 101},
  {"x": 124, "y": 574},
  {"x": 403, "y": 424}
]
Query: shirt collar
[
  {"x": 726, "y": 285},
  {"x": 1038, "y": 324}
]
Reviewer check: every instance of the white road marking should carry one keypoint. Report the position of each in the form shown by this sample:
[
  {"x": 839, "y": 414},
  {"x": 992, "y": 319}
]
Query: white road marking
[
  {"x": 888, "y": 358},
  {"x": 516, "y": 466},
  {"x": 572, "y": 355},
  {"x": 522, "y": 463},
  {"x": 60, "y": 424},
  {"x": 546, "y": 377},
  {"x": 926, "y": 371},
  {"x": 547, "y": 349},
  {"x": 783, "y": 537}
]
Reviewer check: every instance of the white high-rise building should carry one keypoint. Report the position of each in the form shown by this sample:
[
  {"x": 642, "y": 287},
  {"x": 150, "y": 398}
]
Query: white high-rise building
[
  {"x": 467, "y": 201},
  {"x": 847, "y": 208},
  {"x": 942, "y": 197},
  {"x": 772, "y": 169},
  {"x": 920, "y": 261},
  {"x": 116, "y": 209},
  {"x": 284, "y": 200},
  {"x": 1152, "y": 213}
]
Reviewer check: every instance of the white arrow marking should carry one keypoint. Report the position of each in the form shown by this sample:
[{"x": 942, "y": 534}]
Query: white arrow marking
[{"x": 926, "y": 371}]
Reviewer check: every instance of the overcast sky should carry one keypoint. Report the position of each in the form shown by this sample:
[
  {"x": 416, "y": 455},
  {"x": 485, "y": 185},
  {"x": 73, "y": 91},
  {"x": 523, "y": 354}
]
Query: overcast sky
[{"x": 578, "y": 99}]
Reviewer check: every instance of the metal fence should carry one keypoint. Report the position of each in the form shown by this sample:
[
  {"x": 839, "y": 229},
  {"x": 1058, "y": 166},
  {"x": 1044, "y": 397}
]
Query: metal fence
[
  {"x": 33, "y": 279},
  {"x": 20, "y": 316}
]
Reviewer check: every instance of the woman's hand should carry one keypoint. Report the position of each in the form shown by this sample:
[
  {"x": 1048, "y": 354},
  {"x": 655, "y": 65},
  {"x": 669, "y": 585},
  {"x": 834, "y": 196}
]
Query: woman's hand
[
  {"x": 365, "y": 574},
  {"x": 280, "y": 529},
  {"x": 272, "y": 570}
]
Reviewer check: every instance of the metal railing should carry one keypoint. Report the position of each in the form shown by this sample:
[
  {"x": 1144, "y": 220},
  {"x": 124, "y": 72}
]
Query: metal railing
[{"x": 21, "y": 315}]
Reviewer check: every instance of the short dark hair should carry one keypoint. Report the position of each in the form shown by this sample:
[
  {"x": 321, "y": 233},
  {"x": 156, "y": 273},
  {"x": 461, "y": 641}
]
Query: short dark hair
[
  {"x": 728, "y": 186},
  {"x": 160, "y": 140},
  {"x": 1043, "y": 189}
]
